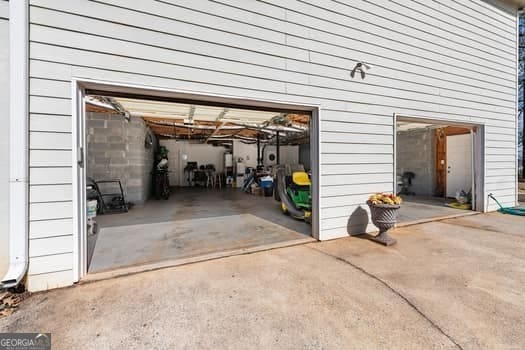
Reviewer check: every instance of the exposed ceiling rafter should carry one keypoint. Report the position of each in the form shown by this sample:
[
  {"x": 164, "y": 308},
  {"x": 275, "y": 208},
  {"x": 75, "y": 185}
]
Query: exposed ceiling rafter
[
  {"x": 208, "y": 123},
  {"x": 215, "y": 132}
]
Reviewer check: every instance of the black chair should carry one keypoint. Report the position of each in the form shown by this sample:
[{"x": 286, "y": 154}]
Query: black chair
[
  {"x": 406, "y": 183},
  {"x": 112, "y": 201}
]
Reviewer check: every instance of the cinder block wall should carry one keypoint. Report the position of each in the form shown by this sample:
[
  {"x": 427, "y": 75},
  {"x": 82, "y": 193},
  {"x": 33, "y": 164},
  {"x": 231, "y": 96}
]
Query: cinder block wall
[
  {"x": 116, "y": 151},
  {"x": 416, "y": 153}
]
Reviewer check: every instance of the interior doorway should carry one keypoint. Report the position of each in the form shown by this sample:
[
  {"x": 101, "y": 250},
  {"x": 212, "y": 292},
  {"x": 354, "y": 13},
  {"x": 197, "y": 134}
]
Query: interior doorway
[
  {"x": 437, "y": 168},
  {"x": 459, "y": 164}
]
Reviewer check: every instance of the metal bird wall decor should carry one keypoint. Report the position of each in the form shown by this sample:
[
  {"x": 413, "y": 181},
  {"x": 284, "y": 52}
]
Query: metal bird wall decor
[{"x": 362, "y": 68}]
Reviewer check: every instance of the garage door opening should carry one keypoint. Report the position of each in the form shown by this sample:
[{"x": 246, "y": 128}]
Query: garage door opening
[
  {"x": 436, "y": 169},
  {"x": 177, "y": 181}
]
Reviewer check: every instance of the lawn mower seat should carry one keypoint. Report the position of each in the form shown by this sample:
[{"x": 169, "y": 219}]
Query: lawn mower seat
[
  {"x": 299, "y": 182},
  {"x": 301, "y": 178}
]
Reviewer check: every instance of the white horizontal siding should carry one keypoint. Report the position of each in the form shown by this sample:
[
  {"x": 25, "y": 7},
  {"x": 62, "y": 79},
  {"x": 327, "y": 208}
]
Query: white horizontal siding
[
  {"x": 506, "y": 192},
  {"x": 427, "y": 27},
  {"x": 43, "y": 193},
  {"x": 49, "y": 70},
  {"x": 299, "y": 13},
  {"x": 48, "y": 87},
  {"x": 350, "y": 127},
  {"x": 161, "y": 38},
  {"x": 380, "y": 39},
  {"x": 49, "y": 105},
  {"x": 50, "y": 228},
  {"x": 441, "y": 59},
  {"x": 50, "y": 280},
  {"x": 44, "y": 122},
  {"x": 50, "y": 176},
  {"x": 50, "y": 158},
  {"x": 50, "y": 263},
  {"x": 50, "y": 246},
  {"x": 344, "y": 217},
  {"x": 502, "y": 164},
  {"x": 364, "y": 138},
  {"x": 340, "y": 169},
  {"x": 357, "y": 159},
  {"x": 50, "y": 210},
  {"x": 500, "y": 179},
  {"x": 353, "y": 110},
  {"x": 408, "y": 102},
  {"x": 337, "y": 180},
  {"x": 4, "y": 10},
  {"x": 49, "y": 140},
  {"x": 350, "y": 189},
  {"x": 331, "y": 205},
  {"x": 352, "y": 148}
]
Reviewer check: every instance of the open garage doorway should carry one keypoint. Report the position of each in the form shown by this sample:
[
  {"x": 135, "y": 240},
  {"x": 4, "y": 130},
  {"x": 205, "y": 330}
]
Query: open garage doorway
[
  {"x": 437, "y": 169},
  {"x": 171, "y": 180}
]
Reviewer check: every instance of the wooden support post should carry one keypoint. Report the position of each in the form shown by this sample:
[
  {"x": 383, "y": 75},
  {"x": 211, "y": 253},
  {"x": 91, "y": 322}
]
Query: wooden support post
[
  {"x": 258, "y": 149},
  {"x": 278, "y": 148}
]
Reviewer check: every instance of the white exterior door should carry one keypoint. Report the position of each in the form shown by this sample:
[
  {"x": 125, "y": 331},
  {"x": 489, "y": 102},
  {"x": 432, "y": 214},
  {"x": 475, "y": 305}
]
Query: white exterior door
[{"x": 459, "y": 164}]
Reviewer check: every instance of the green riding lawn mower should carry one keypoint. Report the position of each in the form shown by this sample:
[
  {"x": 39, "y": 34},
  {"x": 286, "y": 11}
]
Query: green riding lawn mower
[{"x": 294, "y": 190}]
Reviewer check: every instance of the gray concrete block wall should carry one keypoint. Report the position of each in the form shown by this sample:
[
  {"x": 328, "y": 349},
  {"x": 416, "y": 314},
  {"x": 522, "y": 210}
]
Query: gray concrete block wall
[
  {"x": 116, "y": 151},
  {"x": 416, "y": 153}
]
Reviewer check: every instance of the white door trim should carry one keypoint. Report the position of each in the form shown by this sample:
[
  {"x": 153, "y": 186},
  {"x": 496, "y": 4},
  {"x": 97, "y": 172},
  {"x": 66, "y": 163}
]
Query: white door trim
[
  {"x": 79, "y": 181},
  {"x": 479, "y": 202},
  {"x": 80, "y": 85}
]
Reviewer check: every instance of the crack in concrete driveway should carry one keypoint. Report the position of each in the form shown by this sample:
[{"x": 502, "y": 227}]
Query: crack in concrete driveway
[
  {"x": 455, "y": 286},
  {"x": 397, "y": 293}
]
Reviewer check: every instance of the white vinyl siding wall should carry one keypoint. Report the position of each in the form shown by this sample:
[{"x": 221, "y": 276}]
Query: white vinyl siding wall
[
  {"x": 442, "y": 59},
  {"x": 4, "y": 136}
]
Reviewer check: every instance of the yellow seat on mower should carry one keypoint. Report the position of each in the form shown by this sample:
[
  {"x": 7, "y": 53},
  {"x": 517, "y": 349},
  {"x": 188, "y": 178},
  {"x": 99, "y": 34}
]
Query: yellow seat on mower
[{"x": 300, "y": 178}]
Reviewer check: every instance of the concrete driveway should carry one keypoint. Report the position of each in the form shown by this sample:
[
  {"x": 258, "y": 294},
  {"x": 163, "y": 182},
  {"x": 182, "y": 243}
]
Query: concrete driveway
[{"x": 458, "y": 283}]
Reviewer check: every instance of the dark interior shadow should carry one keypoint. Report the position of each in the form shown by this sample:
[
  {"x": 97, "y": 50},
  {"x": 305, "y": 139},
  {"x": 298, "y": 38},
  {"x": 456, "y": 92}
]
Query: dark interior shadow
[{"x": 429, "y": 200}]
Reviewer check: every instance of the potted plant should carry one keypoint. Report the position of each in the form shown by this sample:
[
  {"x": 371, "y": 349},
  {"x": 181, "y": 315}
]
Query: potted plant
[{"x": 384, "y": 208}]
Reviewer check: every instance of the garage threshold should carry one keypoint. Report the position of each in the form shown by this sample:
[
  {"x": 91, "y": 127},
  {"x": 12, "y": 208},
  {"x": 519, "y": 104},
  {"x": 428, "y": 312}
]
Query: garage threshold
[
  {"x": 130, "y": 270},
  {"x": 422, "y": 209}
]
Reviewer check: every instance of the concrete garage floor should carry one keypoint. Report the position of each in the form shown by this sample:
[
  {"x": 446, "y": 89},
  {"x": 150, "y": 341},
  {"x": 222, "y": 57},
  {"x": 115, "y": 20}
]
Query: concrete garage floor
[
  {"x": 197, "y": 203},
  {"x": 193, "y": 222},
  {"x": 458, "y": 283},
  {"x": 124, "y": 246},
  {"x": 420, "y": 208}
]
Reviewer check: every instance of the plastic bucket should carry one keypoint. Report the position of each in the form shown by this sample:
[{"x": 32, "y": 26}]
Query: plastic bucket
[
  {"x": 268, "y": 191},
  {"x": 91, "y": 208}
]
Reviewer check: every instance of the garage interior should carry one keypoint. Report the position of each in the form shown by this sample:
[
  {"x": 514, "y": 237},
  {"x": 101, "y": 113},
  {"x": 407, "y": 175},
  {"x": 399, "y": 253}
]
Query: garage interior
[
  {"x": 171, "y": 180},
  {"x": 434, "y": 170}
]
